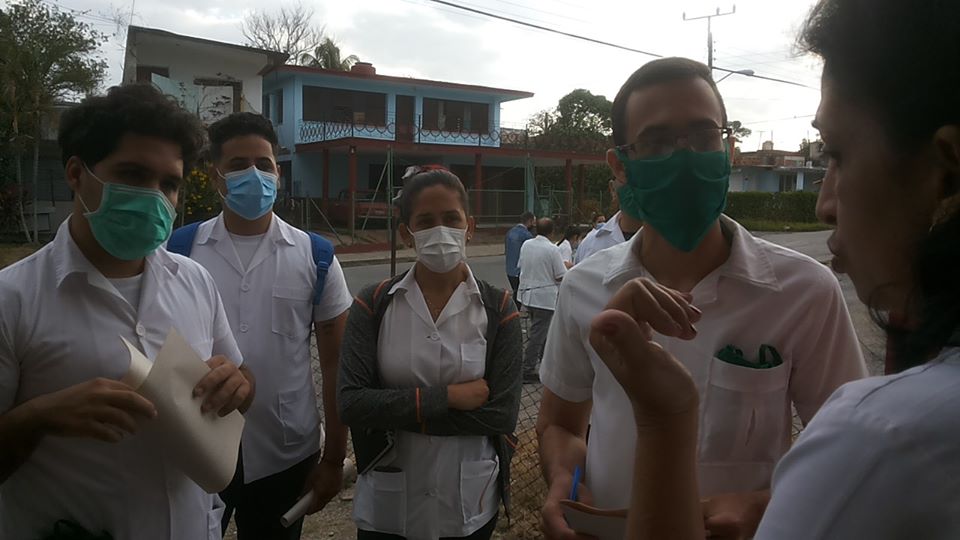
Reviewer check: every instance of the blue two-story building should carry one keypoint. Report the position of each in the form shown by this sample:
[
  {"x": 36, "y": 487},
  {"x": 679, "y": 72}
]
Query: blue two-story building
[{"x": 337, "y": 129}]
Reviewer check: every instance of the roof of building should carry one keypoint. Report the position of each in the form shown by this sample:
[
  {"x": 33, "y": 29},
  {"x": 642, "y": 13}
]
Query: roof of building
[
  {"x": 274, "y": 56},
  {"x": 515, "y": 94}
]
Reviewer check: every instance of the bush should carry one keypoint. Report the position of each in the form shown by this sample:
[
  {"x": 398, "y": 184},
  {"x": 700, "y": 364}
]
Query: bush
[
  {"x": 796, "y": 206},
  {"x": 198, "y": 197}
]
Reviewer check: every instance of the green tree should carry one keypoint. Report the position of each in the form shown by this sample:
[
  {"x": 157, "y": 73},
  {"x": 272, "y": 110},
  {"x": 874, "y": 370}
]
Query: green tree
[
  {"x": 739, "y": 132},
  {"x": 579, "y": 123},
  {"x": 327, "y": 56},
  {"x": 47, "y": 56}
]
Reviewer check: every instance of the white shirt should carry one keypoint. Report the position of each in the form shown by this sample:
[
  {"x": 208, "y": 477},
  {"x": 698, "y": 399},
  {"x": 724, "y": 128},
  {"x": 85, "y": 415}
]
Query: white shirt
[
  {"x": 60, "y": 326},
  {"x": 762, "y": 294},
  {"x": 269, "y": 303},
  {"x": 129, "y": 289},
  {"x": 246, "y": 247},
  {"x": 599, "y": 239},
  {"x": 566, "y": 251},
  {"x": 541, "y": 265},
  {"x": 447, "y": 486},
  {"x": 881, "y": 460}
]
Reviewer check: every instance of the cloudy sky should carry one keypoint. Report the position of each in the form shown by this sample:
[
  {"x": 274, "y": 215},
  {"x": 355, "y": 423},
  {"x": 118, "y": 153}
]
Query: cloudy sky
[{"x": 420, "y": 38}]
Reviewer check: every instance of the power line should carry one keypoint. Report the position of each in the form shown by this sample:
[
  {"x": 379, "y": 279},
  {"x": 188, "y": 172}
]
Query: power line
[
  {"x": 598, "y": 41},
  {"x": 545, "y": 28}
]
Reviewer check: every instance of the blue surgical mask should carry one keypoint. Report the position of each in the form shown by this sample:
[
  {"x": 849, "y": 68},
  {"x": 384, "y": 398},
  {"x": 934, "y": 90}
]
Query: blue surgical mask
[{"x": 250, "y": 192}]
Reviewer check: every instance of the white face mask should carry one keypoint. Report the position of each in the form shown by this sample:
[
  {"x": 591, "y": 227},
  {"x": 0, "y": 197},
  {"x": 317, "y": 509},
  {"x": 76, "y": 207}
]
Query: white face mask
[{"x": 441, "y": 248}]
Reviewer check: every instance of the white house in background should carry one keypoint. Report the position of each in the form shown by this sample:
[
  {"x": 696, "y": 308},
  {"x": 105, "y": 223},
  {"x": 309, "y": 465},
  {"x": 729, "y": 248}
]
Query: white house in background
[{"x": 210, "y": 78}]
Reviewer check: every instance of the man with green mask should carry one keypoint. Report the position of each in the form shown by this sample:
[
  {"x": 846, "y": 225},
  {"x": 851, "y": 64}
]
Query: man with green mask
[
  {"x": 767, "y": 318},
  {"x": 71, "y": 444}
]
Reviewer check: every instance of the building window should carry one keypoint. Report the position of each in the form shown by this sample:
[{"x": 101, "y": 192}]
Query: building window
[
  {"x": 279, "y": 111},
  {"x": 456, "y": 116},
  {"x": 344, "y": 106},
  {"x": 788, "y": 182},
  {"x": 145, "y": 73}
]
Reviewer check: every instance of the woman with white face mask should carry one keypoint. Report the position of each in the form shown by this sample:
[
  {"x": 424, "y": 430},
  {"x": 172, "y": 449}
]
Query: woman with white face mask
[{"x": 430, "y": 380}]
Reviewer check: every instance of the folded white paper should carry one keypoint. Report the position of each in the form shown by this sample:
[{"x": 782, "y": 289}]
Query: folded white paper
[{"x": 203, "y": 446}]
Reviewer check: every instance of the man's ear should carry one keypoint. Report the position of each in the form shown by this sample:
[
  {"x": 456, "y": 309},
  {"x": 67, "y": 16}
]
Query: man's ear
[
  {"x": 616, "y": 166},
  {"x": 72, "y": 171}
]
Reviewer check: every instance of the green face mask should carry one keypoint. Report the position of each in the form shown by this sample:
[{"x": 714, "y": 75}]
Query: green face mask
[
  {"x": 131, "y": 222},
  {"x": 679, "y": 195}
]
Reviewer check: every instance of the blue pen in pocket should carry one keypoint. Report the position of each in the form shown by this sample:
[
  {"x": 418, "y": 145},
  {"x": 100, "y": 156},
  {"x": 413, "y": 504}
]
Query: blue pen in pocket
[{"x": 577, "y": 474}]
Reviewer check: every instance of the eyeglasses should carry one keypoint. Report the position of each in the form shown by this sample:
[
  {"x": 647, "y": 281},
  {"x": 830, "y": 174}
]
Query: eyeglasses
[{"x": 708, "y": 139}]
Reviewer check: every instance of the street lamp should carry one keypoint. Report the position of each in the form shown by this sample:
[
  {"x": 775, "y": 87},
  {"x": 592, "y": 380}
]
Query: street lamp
[{"x": 746, "y": 72}]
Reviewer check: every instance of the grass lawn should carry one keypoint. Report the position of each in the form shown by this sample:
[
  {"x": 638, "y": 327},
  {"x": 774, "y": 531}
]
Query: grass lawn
[
  {"x": 758, "y": 225},
  {"x": 11, "y": 253}
]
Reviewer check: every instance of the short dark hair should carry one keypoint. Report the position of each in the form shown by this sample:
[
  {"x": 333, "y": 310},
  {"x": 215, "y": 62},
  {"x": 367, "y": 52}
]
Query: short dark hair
[
  {"x": 527, "y": 216},
  {"x": 572, "y": 232},
  {"x": 861, "y": 42},
  {"x": 238, "y": 125},
  {"x": 93, "y": 129},
  {"x": 659, "y": 71},
  {"x": 545, "y": 226},
  {"x": 419, "y": 178}
]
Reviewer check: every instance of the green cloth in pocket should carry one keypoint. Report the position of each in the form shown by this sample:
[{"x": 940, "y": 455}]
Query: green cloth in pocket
[{"x": 769, "y": 357}]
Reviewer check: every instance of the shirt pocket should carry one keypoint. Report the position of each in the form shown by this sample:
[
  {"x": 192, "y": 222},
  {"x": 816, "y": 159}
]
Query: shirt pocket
[
  {"x": 381, "y": 502},
  {"x": 746, "y": 417},
  {"x": 292, "y": 311},
  {"x": 214, "y": 520},
  {"x": 294, "y": 412},
  {"x": 473, "y": 361},
  {"x": 477, "y": 478}
]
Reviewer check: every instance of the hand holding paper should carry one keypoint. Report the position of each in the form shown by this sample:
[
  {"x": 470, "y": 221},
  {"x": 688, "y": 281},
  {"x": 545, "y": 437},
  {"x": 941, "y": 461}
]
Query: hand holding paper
[{"x": 203, "y": 446}]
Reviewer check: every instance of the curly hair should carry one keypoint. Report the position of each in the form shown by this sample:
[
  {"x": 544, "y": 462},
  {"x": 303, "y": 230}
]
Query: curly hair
[{"x": 93, "y": 129}]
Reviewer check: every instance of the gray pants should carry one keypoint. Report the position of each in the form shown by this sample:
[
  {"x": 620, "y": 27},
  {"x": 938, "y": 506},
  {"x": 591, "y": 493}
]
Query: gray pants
[{"x": 539, "y": 324}]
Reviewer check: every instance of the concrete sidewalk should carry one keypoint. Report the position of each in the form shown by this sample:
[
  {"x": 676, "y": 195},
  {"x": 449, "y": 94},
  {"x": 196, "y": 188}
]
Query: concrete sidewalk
[{"x": 812, "y": 244}]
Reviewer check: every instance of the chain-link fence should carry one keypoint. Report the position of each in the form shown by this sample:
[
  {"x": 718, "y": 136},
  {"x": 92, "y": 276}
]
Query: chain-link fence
[{"x": 528, "y": 488}]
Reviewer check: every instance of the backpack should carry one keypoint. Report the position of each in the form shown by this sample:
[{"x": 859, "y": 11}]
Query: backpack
[{"x": 181, "y": 243}]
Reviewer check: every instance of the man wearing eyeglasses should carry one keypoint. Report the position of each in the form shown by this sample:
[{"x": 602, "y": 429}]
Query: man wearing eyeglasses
[{"x": 772, "y": 330}]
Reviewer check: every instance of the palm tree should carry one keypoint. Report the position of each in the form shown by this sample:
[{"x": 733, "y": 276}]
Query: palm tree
[{"x": 327, "y": 56}]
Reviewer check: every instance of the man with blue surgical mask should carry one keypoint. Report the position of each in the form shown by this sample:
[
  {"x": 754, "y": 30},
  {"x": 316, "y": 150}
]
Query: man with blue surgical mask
[
  {"x": 76, "y": 446},
  {"x": 275, "y": 288},
  {"x": 770, "y": 323}
]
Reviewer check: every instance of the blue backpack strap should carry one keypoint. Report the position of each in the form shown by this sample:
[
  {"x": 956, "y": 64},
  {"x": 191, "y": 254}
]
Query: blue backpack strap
[
  {"x": 323, "y": 256},
  {"x": 181, "y": 240}
]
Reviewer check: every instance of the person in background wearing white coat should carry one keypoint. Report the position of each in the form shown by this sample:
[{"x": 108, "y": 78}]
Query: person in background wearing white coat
[
  {"x": 618, "y": 229},
  {"x": 267, "y": 276},
  {"x": 568, "y": 245},
  {"x": 541, "y": 269}
]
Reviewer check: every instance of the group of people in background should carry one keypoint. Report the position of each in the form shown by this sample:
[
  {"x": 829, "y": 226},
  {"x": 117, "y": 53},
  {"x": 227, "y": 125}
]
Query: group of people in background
[{"x": 673, "y": 337}]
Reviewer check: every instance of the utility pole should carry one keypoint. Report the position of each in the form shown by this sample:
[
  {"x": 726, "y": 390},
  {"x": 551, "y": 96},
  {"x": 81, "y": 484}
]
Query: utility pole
[{"x": 709, "y": 19}]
